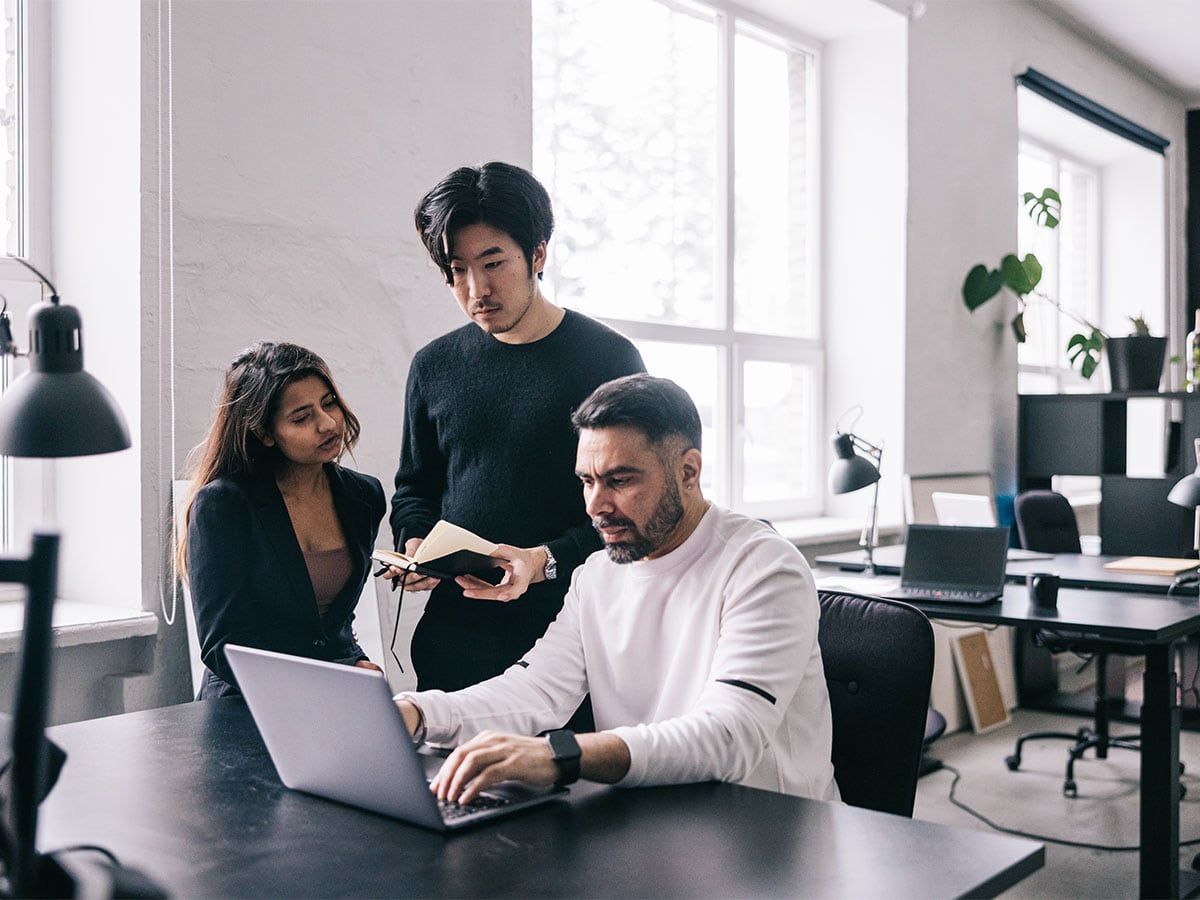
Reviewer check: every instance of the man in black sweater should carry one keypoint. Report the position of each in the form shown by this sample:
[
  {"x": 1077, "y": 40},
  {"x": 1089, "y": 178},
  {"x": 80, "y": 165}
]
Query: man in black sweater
[{"x": 488, "y": 442}]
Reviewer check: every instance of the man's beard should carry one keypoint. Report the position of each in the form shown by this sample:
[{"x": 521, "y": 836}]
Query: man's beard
[{"x": 662, "y": 522}]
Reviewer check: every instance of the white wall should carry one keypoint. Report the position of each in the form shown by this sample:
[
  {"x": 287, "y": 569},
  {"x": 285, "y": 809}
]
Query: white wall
[
  {"x": 961, "y": 368},
  {"x": 864, "y": 166},
  {"x": 1132, "y": 279}
]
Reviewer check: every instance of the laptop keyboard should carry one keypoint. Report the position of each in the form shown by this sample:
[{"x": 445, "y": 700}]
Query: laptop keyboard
[
  {"x": 947, "y": 595},
  {"x": 451, "y": 811}
]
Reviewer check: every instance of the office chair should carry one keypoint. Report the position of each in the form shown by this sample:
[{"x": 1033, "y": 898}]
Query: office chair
[
  {"x": 878, "y": 657},
  {"x": 1046, "y": 523}
]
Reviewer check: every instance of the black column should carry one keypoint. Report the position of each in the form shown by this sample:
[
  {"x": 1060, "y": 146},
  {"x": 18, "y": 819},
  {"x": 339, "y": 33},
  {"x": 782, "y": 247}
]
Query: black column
[{"x": 1192, "y": 250}]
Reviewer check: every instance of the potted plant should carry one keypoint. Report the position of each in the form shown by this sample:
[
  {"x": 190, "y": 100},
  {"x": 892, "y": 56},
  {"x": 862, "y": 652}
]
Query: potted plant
[{"x": 1135, "y": 361}]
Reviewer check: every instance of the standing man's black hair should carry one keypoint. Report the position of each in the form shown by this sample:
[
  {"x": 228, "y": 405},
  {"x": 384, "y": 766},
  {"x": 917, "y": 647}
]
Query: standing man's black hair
[{"x": 497, "y": 194}]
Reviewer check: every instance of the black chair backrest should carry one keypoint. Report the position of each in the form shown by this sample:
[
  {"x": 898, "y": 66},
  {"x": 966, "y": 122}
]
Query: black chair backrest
[
  {"x": 878, "y": 657},
  {"x": 1046, "y": 522}
]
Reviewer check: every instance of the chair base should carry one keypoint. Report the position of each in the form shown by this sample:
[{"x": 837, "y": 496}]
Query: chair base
[{"x": 1085, "y": 739}]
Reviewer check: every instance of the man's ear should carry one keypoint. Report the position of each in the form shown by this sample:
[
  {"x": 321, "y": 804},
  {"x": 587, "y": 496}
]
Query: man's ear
[
  {"x": 539, "y": 258},
  {"x": 690, "y": 468}
]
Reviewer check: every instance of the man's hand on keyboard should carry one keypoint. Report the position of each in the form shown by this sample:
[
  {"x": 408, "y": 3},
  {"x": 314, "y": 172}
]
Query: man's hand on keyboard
[{"x": 491, "y": 757}]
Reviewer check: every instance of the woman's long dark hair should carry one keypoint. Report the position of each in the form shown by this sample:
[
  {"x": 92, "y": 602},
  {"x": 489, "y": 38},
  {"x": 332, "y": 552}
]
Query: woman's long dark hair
[{"x": 254, "y": 384}]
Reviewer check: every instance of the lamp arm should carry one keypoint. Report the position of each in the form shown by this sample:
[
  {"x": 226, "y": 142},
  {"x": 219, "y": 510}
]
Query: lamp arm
[
  {"x": 42, "y": 278},
  {"x": 866, "y": 446},
  {"x": 870, "y": 535}
]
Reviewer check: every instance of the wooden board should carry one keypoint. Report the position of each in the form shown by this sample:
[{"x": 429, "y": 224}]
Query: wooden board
[
  {"x": 980, "y": 685},
  {"x": 1152, "y": 565}
]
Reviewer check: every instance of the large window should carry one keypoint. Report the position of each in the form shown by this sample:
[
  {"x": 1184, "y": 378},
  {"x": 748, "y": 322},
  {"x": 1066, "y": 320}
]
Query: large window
[
  {"x": 1070, "y": 258},
  {"x": 676, "y": 141},
  {"x": 1107, "y": 260},
  {"x": 21, "y": 487}
]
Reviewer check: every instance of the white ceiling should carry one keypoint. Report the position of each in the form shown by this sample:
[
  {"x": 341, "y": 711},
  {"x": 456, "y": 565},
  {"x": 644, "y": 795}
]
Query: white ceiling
[{"x": 1158, "y": 38}]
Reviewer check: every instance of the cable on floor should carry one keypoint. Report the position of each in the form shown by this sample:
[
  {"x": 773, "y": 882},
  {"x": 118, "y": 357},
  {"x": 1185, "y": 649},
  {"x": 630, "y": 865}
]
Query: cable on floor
[{"x": 1038, "y": 837}]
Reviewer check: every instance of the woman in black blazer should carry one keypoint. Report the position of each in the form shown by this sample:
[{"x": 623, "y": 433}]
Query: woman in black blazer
[{"x": 279, "y": 535}]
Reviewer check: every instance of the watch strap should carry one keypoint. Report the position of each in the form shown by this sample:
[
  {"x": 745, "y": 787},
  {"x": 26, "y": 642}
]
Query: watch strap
[{"x": 551, "y": 571}]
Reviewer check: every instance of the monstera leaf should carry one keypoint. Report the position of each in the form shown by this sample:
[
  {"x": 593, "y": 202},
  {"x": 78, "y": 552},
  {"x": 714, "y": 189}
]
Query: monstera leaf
[{"x": 981, "y": 286}]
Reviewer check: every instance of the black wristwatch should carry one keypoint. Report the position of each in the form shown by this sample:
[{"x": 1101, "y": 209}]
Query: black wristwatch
[{"x": 566, "y": 755}]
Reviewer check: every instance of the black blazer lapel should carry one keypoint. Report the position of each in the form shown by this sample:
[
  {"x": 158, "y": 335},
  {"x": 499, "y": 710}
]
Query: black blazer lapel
[
  {"x": 353, "y": 509},
  {"x": 277, "y": 527}
]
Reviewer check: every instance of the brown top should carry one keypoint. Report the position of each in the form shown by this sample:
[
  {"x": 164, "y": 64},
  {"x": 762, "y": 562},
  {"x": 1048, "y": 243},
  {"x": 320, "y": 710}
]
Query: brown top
[{"x": 329, "y": 570}]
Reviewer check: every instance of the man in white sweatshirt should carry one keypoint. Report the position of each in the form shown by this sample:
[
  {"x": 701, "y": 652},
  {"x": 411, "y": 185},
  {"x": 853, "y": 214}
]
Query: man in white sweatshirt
[{"x": 695, "y": 632}]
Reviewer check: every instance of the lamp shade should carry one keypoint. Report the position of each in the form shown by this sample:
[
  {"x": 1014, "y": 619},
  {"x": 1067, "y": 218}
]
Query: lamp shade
[
  {"x": 849, "y": 471},
  {"x": 1186, "y": 491},
  {"x": 57, "y": 409}
]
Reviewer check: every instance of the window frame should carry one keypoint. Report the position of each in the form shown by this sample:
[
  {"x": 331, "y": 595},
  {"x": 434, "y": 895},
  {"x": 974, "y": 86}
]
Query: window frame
[
  {"x": 726, "y": 462},
  {"x": 1065, "y": 378},
  {"x": 27, "y": 499}
]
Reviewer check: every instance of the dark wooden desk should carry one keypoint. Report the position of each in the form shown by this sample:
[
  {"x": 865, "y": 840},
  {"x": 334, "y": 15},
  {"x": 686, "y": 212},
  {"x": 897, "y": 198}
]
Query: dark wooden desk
[
  {"x": 1155, "y": 621},
  {"x": 189, "y": 795}
]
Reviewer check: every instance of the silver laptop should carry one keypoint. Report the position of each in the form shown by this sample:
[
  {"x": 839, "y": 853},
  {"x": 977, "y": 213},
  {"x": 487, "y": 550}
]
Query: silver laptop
[
  {"x": 952, "y": 564},
  {"x": 334, "y": 731},
  {"x": 975, "y": 509}
]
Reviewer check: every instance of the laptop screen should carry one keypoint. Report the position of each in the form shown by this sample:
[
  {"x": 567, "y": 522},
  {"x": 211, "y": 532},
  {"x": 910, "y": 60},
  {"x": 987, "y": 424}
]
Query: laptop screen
[
  {"x": 955, "y": 557},
  {"x": 963, "y": 509}
]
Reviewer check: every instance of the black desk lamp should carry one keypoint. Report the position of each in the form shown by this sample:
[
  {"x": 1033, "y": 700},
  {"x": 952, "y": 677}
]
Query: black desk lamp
[
  {"x": 54, "y": 409},
  {"x": 850, "y": 472},
  {"x": 1186, "y": 492}
]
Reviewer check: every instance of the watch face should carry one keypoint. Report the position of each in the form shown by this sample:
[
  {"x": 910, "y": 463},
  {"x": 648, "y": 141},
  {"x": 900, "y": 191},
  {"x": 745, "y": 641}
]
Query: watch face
[{"x": 563, "y": 744}]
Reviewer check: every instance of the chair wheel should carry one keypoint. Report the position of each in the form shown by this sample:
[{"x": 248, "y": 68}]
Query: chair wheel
[
  {"x": 1196, "y": 862},
  {"x": 1070, "y": 790},
  {"x": 1013, "y": 763},
  {"x": 1181, "y": 768},
  {"x": 1182, "y": 791}
]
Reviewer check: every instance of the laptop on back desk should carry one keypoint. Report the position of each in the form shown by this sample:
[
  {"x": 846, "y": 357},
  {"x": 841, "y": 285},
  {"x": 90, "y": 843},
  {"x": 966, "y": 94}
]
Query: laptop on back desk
[
  {"x": 334, "y": 731},
  {"x": 952, "y": 564}
]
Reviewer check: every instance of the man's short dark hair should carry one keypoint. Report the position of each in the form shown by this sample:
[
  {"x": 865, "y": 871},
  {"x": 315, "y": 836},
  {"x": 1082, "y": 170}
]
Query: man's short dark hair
[
  {"x": 497, "y": 194},
  {"x": 657, "y": 407}
]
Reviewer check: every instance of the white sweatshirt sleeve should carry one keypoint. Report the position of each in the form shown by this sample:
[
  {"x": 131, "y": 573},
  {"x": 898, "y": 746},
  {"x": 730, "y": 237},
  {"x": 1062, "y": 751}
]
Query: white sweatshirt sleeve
[
  {"x": 541, "y": 691},
  {"x": 768, "y": 637}
]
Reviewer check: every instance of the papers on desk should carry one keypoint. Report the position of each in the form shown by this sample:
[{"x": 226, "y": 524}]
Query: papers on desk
[
  {"x": 1019, "y": 554},
  {"x": 857, "y": 584},
  {"x": 1152, "y": 565}
]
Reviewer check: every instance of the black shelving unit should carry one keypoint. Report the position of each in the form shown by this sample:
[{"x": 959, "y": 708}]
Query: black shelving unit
[{"x": 1086, "y": 434}]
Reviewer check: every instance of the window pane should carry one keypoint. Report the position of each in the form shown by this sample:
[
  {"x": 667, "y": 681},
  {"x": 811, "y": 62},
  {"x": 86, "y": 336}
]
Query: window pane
[
  {"x": 625, "y": 112},
  {"x": 771, "y": 260},
  {"x": 694, "y": 368},
  {"x": 10, "y": 130},
  {"x": 1076, "y": 260},
  {"x": 1035, "y": 173},
  {"x": 779, "y": 441}
]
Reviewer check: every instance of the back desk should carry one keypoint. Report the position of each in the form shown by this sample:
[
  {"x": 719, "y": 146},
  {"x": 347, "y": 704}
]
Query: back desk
[
  {"x": 1158, "y": 622},
  {"x": 188, "y": 794},
  {"x": 1076, "y": 570}
]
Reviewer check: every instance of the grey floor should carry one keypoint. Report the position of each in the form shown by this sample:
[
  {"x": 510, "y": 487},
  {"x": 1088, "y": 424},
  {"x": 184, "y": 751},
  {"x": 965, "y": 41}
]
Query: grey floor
[{"x": 1031, "y": 800}]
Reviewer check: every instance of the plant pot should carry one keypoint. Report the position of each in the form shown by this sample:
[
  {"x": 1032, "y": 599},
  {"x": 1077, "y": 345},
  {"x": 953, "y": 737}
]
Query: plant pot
[{"x": 1135, "y": 363}]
